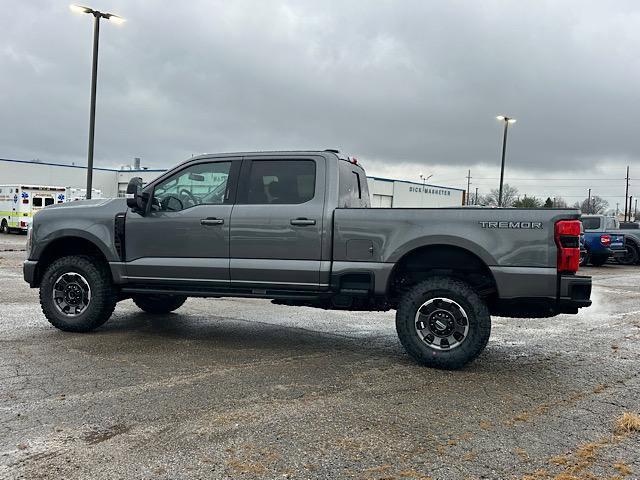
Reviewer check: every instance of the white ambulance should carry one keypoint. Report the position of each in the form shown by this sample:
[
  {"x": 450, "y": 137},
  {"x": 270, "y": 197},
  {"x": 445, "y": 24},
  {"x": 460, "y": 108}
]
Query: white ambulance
[{"x": 18, "y": 204}]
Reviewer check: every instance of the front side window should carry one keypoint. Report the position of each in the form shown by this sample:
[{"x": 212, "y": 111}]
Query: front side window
[
  {"x": 37, "y": 201},
  {"x": 48, "y": 201},
  {"x": 200, "y": 184},
  {"x": 281, "y": 182}
]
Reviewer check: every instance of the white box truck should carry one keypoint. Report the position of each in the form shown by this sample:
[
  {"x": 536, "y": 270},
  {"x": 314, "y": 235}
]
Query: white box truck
[{"x": 18, "y": 204}]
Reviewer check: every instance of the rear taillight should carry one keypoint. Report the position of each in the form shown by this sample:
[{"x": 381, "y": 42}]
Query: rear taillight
[
  {"x": 567, "y": 236},
  {"x": 605, "y": 240}
]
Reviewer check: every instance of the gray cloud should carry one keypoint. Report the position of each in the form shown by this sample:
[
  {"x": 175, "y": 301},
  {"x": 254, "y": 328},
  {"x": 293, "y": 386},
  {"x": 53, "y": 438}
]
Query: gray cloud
[{"x": 396, "y": 82}]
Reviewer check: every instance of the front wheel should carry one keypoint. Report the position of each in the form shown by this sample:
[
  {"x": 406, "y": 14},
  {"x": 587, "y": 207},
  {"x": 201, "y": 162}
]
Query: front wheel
[
  {"x": 77, "y": 294},
  {"x": 159, "y": 303},
  {"x": 443, "y": 323}
]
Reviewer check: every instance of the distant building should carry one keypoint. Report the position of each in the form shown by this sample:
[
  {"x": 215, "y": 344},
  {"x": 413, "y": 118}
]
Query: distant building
[
  {"x": 384, "y": 192},
  {"x": 389, "y": 193}
]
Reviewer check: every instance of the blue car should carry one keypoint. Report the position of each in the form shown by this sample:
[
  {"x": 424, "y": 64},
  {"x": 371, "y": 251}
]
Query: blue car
[{"x": 601, "y": 241}]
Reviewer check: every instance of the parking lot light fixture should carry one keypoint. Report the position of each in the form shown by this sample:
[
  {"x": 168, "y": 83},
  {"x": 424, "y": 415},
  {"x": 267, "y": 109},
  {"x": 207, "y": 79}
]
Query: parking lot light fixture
[
  {"x": 507, "y": 121},
  {"x": 97, "y": 15}
]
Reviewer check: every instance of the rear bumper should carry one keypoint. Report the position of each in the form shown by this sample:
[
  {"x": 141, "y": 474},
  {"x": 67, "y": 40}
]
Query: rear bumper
[
  {"x": 619, "y": 253},
  {"x": 574, "y": 292},
  {"x": 29, "y": 272},
  {"x": 540, "y": 294}
]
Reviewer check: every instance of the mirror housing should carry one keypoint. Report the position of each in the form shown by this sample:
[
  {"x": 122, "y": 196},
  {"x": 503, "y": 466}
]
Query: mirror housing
[{"x": 136, "y": 201}]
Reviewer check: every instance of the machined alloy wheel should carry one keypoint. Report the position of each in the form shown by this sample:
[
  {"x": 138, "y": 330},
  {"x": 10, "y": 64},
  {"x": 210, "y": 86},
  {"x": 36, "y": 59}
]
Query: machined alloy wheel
[
  {"x": 71, "y": 294},
  {"x": 442, "y": 323},
  {"x": 77, "y": 293}
]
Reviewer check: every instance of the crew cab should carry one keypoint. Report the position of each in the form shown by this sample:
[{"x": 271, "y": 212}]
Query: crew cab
[
  {"x": 602, "y": 239},
  {"x": 297, "y": 228}
]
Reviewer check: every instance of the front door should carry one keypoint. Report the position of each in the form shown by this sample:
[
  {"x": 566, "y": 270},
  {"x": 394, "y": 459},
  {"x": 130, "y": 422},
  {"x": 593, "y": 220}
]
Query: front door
[
  {"x": 276, "y": 225},
  {"x": 184, "y": 237}
]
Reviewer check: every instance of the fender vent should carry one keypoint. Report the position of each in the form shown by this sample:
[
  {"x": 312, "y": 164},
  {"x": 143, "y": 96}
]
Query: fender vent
[{"x": 118, "y": 235}]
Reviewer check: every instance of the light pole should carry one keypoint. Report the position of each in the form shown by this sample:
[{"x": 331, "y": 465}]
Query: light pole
[
  {"x": 507, "y": 121},
  {"x": 94, "y": 78},
  {"x": 424, "y": 179}
]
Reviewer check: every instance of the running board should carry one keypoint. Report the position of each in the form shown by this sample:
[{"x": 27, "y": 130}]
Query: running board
[{"x": 191, "y": 291}]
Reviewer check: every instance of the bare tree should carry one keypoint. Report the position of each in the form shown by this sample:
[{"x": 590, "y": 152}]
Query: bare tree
[
  {"x": 528, "y": 202},
  {"x": 560, "y": 202},
  {"x": 597, "y": 205},
  {"x": 509, "y": 195}
]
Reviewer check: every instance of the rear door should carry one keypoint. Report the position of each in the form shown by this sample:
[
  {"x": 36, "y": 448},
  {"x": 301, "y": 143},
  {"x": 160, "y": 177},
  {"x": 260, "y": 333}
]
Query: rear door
[
  {"x": 184, "y": 238},
  {"x": 276, "y": 225}
]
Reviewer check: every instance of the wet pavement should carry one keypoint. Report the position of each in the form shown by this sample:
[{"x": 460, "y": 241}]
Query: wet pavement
[{"x": 237, "y": 388}]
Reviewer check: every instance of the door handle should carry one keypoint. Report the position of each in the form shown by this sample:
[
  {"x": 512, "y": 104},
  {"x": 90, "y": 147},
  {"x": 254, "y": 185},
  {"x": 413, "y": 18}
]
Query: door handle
[
  {"x": 302, "y": 221},
  {"x": 211, "y": 221}
]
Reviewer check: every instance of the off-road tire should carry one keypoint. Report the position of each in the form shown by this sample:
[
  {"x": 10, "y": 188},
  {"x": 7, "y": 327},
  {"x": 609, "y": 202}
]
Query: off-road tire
[
  {"x": 479, "y": 322},
  {"x": 598, "y": 260},
  {"x": 632, "y": 256},
  {"x": 159, "y": 303},
  {"x": 103, "y": 294}
]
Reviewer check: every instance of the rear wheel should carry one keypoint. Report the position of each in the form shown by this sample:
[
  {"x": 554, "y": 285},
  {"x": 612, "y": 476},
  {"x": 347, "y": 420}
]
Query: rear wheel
[
  {"x": 4, "y": 226},
  {"x": 598, "y": 260},
  {"x": 632, "y": 256},
  {"x": 443, "y": 323},
  {"x": 77, "y": 294},
  {"x": 159, "y": 303}
]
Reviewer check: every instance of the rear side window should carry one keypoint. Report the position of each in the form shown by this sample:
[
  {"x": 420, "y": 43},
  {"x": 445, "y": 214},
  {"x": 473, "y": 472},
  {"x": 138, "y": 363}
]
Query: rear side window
[
  {"x": 48, "y": 201},
  {"x": 37, "y": 201},
  {"x": 281, "y": 182},
  {"x": 592, "y": 223}
]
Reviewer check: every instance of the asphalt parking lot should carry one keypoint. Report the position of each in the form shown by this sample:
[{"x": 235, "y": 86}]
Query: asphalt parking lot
[{"x": 239, "y": 388}]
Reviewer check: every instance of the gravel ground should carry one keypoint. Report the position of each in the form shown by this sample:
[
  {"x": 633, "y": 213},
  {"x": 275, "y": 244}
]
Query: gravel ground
[{"x": 238, "y": 388}]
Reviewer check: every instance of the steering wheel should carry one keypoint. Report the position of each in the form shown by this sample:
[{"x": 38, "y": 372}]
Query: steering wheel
[
  {"x": 186, "y": 193},
  {"x": 166, "y": 201}
]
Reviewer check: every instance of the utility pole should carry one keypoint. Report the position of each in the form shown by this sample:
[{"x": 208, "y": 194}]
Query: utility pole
[
  {"x": 476, "y": 202},
  {"x": 635, "y": 212},
  {"x": 626, "y": 197},
  {"x": 468, "y": 187},
  {"x": 630, "y": 203},
  {"x": 617, "y": 209},
  {"x": 589, "y": 202}
]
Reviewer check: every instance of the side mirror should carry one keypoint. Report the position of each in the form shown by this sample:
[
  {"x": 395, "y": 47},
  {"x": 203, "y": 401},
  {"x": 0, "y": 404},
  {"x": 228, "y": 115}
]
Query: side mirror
[{"x": 135, "y": 198}]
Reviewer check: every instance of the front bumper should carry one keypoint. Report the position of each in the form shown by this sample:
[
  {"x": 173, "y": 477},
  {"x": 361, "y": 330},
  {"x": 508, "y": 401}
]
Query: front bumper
[{"x": 29, "y": 272}]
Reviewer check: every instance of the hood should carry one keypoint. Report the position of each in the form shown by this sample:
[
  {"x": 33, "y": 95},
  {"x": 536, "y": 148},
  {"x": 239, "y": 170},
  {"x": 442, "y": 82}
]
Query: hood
[{"x": 99, "y": 202}]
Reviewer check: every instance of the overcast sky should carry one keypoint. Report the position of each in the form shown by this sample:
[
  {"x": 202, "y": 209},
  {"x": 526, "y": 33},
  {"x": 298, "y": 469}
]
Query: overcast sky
[{"x": 405, "y": 86}]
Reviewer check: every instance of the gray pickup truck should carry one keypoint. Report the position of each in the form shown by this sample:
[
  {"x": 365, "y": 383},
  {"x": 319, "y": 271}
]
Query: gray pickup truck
[{"x": 297, "y": 228}]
